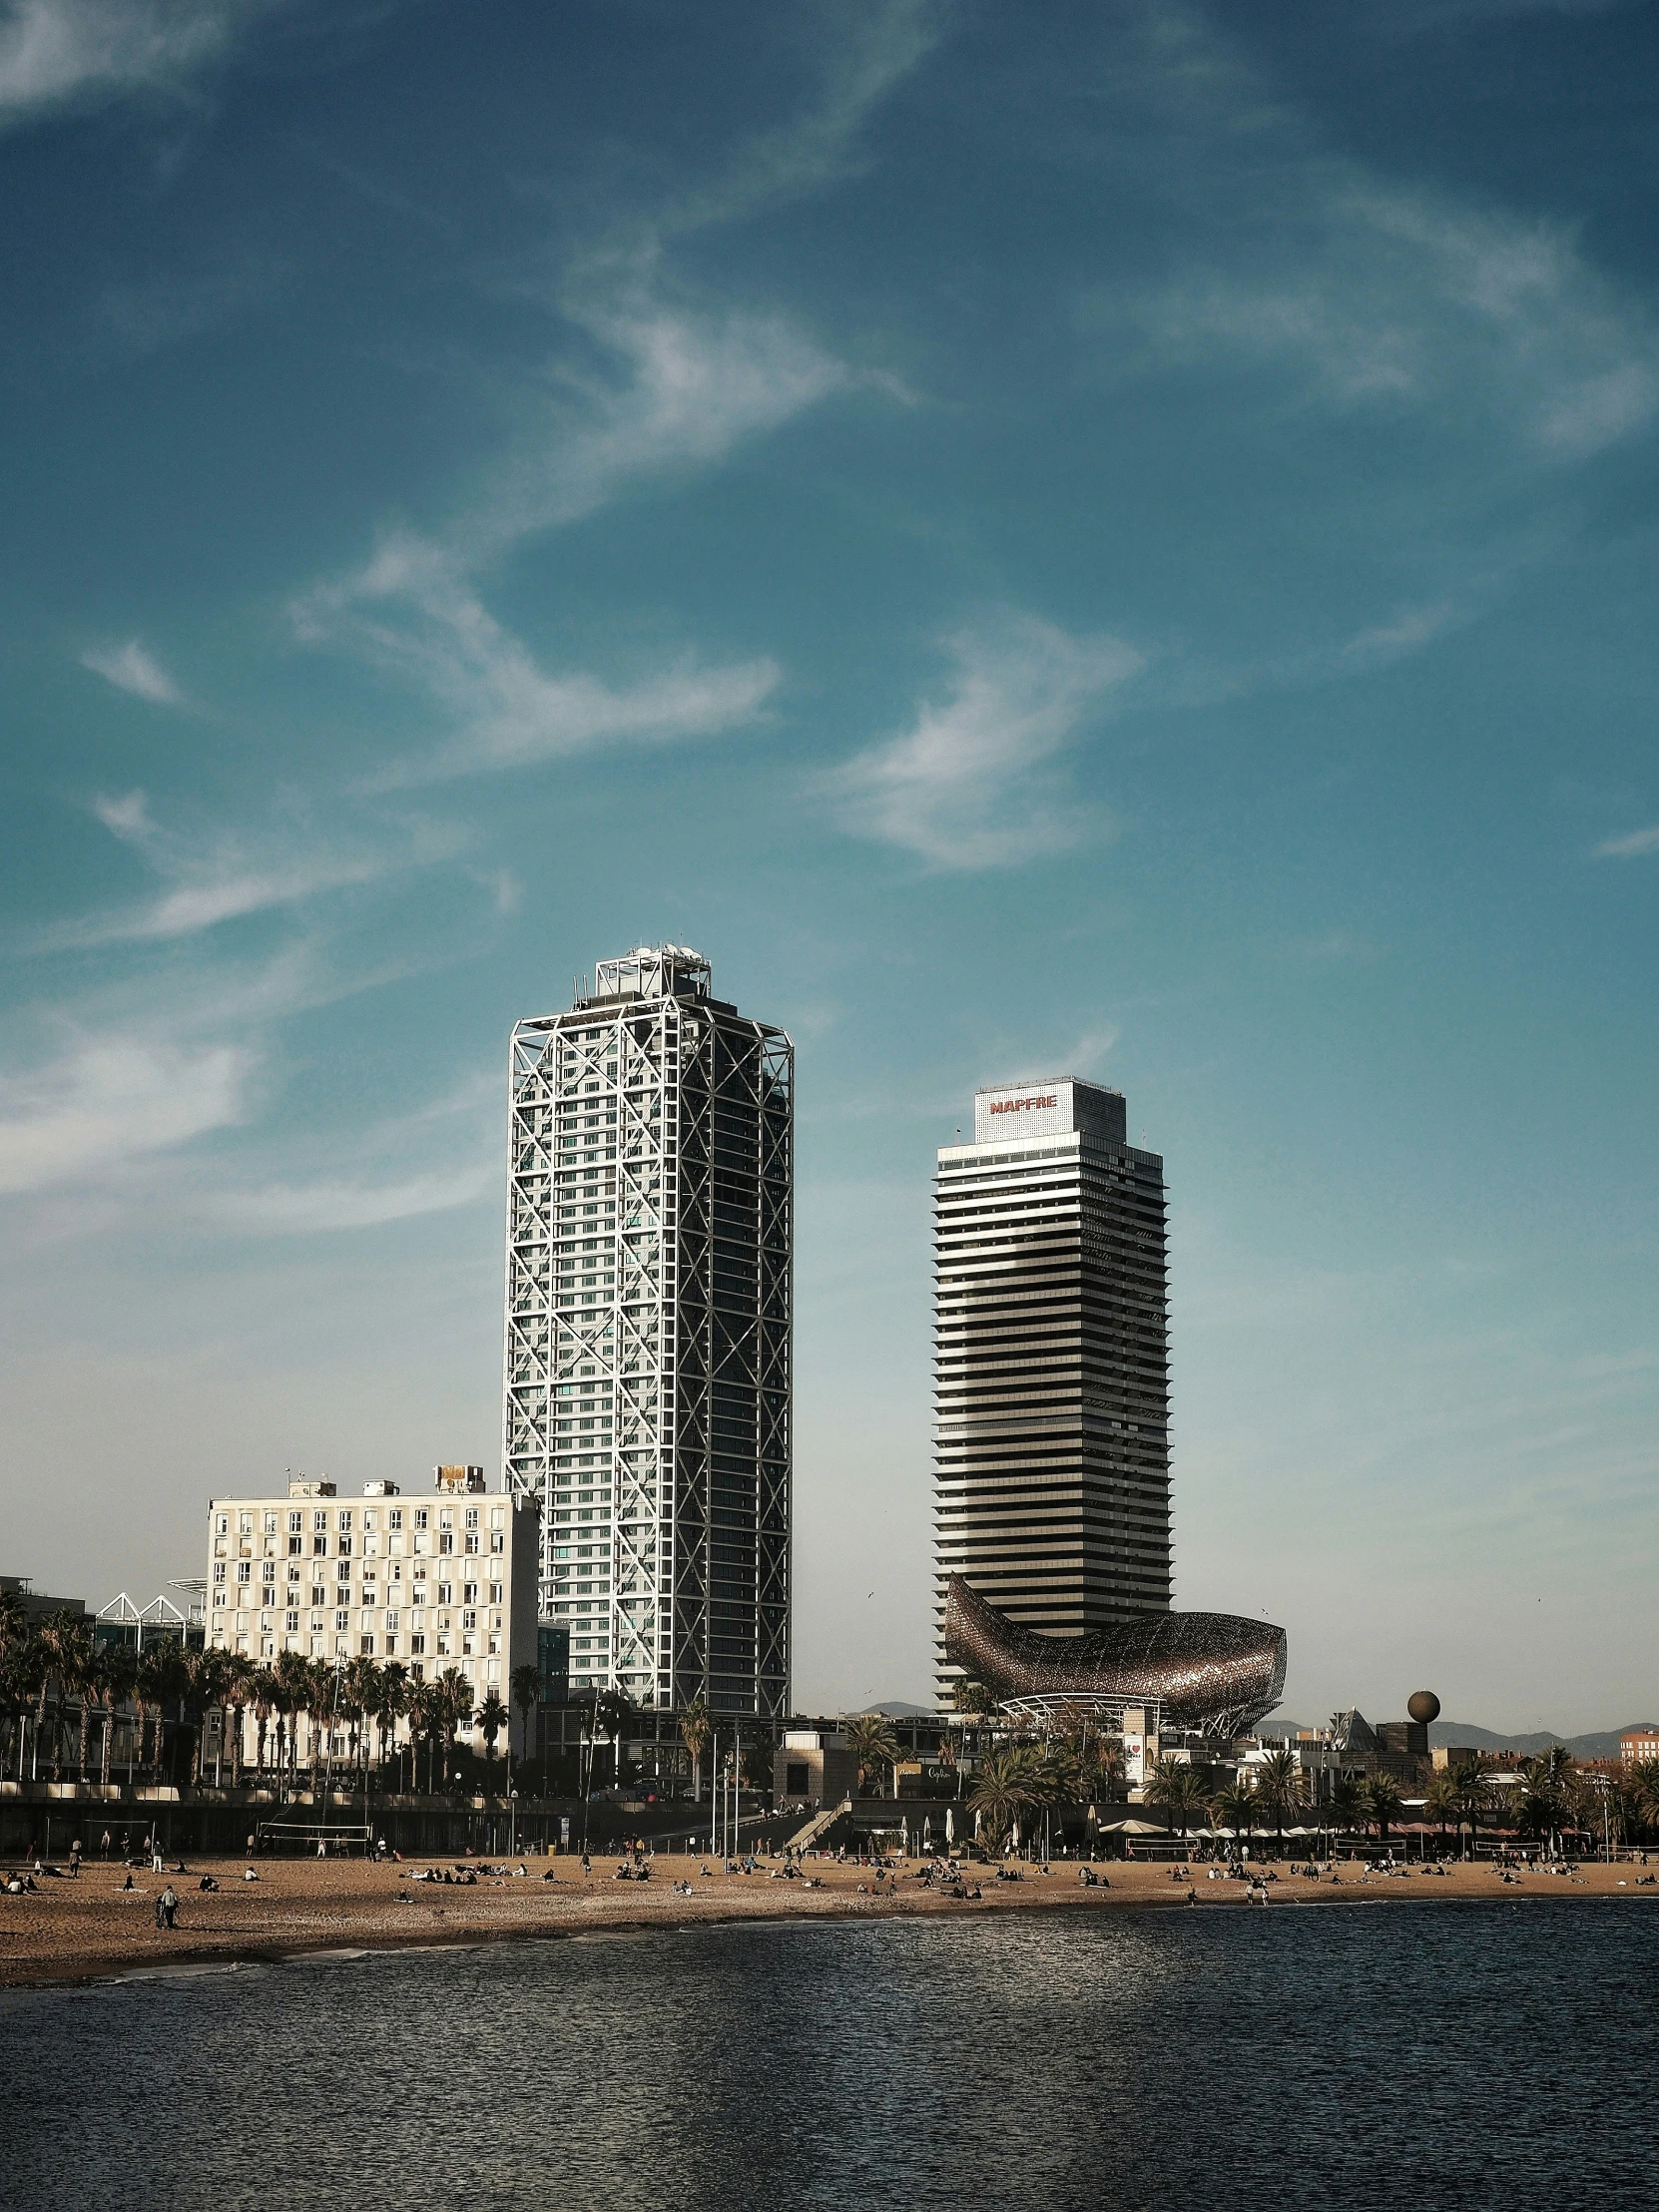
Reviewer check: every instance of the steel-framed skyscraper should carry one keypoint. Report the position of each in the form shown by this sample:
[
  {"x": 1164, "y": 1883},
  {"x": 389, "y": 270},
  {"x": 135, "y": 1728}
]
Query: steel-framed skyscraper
[
  {"x": 1051, "y": 1363},
  {"x": 648, "y": 1396}
]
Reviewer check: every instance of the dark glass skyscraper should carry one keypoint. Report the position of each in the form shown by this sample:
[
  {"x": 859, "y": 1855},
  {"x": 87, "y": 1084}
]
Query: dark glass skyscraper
[{"x": 1051, "y": 1362}]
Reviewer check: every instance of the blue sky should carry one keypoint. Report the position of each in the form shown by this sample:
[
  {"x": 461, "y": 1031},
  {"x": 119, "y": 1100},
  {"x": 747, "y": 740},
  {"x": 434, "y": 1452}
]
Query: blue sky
[{"x": 1120, "y": 545}]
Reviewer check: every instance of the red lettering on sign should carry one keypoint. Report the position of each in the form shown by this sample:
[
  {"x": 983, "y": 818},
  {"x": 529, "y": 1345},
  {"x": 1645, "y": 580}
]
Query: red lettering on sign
[{"x": 1021, "y": 1105}]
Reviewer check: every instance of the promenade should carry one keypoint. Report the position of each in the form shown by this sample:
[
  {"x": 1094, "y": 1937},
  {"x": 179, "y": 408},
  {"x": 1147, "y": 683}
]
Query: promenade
[{"x": 92, "y": 1928}]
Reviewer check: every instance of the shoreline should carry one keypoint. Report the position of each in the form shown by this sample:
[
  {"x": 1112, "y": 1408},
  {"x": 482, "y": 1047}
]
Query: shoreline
[{"x": 89, "y": 1931}]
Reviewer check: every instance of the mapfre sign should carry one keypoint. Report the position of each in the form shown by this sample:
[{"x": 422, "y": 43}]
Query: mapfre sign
[{"x": 1023, "y": 1105}]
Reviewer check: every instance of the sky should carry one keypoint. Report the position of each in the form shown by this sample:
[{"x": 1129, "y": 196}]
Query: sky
[{"x": 1115, "y": 540}]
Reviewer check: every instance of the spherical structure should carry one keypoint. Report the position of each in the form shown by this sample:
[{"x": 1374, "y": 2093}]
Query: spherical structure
[{"x": 1424, "y": 1706}]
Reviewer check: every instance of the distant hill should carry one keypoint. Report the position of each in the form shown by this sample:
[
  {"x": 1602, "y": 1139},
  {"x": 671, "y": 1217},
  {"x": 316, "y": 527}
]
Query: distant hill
[
  {"x": 1602, "y": 1743},
  {"x": 895, "y": 1708}
]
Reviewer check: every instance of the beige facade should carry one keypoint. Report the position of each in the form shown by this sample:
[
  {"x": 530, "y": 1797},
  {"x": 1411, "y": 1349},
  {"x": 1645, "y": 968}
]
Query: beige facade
[{"x": 440, "y": 1580}]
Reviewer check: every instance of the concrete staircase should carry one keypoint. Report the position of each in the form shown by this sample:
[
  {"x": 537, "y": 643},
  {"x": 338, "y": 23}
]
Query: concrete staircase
[{"x": 819, "y": 1825}]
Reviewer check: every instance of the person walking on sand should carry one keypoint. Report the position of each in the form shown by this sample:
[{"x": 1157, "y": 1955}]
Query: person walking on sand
[
  {"x": 166, "y": 1907},
  {"x": 104, "y": 1846},
  {"x": 75, "y": 1860}
]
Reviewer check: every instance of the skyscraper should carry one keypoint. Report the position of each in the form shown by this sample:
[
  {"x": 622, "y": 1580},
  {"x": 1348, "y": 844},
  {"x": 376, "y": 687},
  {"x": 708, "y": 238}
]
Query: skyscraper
[
  {"x": 1051, "y": 1368},
  {"x": 648, "y": 1388}
]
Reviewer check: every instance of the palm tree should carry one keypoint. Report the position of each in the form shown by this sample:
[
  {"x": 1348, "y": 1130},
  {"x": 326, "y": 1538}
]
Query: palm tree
[
  {"x": 454, "y": 1705},
  {"x": 1379, "y": 1796},
  {"x": 61, "y": 1636},
  {"x": 204, "y": 1677},
  {"x": 391, "y": 1701},
  {"x": 117, "y": 1672},
  {"x": 261, "y": 1695},
  {"x": 870, "y": 1736},
  {"x": 614, "y": 1711},
  {"x": 1346, "y": 1805},
  {"x": 492, "y": 1718},
  {"x": 1234, "y": 1808},
  {"x": 526, "y": 1686},
  {"x": 1177, "y": 1786},
  {"x": 1002, "y": 1789},
  {"x": 153, "y": 1684},
  {"x": 969, "y": 1696},
  {"x": 237, "y": 1693},
  {"x": 697, "y": 1733},
  {"x": 1441, "y": 1800},
  {"x": 1278, "y": 1788}
]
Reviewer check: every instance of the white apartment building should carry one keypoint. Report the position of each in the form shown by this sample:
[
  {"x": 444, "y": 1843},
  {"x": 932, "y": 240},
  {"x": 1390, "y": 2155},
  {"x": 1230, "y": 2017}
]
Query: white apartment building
[{"x": 438, "y": 1581}]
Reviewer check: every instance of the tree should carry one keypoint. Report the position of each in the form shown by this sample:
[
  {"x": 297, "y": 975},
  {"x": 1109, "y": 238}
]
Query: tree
[
  {"x": 697, "y": 1733},
  {"x": 492, "y": 1718},
  {"x": 1549, "y": 1789},
  {"x": 1278, "y": 1788},
  {"x": 1441, "y": 1800},
  {"x": 205, "y": 1676},
  {"x": 1234, "y": 1808},
  {"x": 392, "y": 1692},
  {"x": 871, "y": 1738},
  {"x": 1002, "y": 1790},
  {"x": 62, "y": 1638},
  {"x": 1379, "y": 1795},
  {"x": 526, "y": 1687},
  {"x": 1346, "y": 1805},
  {"x": 237, "y": 1693},
  {"x": 116, "y": 1672},
  {"x": 969, "y": 1696},
  {"x": 454, "y": 1705},
  {"x": 1177, "y": 1786},
  {"x": 262, "y": 1696},
  {"x": 156, "y": 1683}
]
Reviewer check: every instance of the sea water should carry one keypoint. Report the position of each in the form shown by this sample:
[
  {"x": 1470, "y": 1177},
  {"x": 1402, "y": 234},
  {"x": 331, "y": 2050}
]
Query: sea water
[{"x": 1461, "y": 2055}]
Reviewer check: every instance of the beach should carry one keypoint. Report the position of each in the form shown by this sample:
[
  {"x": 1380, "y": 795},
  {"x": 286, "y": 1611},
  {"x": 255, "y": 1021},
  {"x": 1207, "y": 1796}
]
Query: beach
[{"x": 91, "y": 1927}]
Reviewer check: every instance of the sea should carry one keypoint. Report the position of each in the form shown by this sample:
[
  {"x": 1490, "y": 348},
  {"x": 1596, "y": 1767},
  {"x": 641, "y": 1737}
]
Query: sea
[{"x": 1501, "y": 2053}]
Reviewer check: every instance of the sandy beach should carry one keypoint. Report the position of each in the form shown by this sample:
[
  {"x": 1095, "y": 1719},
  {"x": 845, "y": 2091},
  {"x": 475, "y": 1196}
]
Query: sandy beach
[{"x": 90, "y": 1929}]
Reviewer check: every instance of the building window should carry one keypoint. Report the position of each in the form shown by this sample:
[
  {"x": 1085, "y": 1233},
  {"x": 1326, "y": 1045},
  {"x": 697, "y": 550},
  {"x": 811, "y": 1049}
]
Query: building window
[
  {"x": 469, "y": 1593},
  {"x": 498, "y": 1544},
  {"x": 319, "y": 1524},
  {"x": 245, "y": 1523},
  {"x": 445, "y": 1593},
  {"x": 394, "y": 1519},
  {"x": 342, "y": 1620},
  {"x": 469, "y": 1620},
  {"x": 366, "y": 1644},
  {"x": 344, "y": 1521},
  {"x": 472, "y": 1516},
  {"x": 290, "y": 1621},
  {"x": 297, "y": 1525},
  {"x": 219, "y": 1570},
  {"x": 421, "y": 1519},
  {"x": 417, "y": 1644},
  {"x": 446, "y": 1542},
  {"x": 244, "y": 1570}
]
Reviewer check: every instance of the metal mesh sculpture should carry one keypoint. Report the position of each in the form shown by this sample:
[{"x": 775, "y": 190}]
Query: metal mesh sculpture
[{"x": 1217, "y": 1672}]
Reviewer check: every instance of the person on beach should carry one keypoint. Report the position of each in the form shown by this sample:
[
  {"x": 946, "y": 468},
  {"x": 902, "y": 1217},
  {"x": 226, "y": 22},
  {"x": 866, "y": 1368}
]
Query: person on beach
[
  {"x": 166, "y": 1907},
  {"x": 75, "y": 1860}
]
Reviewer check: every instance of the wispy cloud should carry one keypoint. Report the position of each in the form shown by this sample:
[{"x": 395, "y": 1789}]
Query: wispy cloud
[
  {"x": 1630, "y": 846},
  {"x": 1407, "y": 633},
  {"x": 56, "y": 50},
  {"x": 413, "y": 614},
  {"x": 305, "y": 1209},
  {"x": 1381, "y": 296},
  {"x": 132, "y": 668},
  {"x": 107, "y": 1100},
  {"x": 974, "y": 783},
  {"x": 147, "y": 316},
  {"x": 648, "y": 380},
  {"x": 222, "y": 875}
]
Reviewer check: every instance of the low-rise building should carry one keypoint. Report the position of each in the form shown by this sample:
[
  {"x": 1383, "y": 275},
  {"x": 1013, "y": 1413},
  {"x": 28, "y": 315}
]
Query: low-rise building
[
  {"x": 1639, "y": 1743},
  {"x": 437, "y": 1582},
  {"x": 814, "y": 1765}
]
